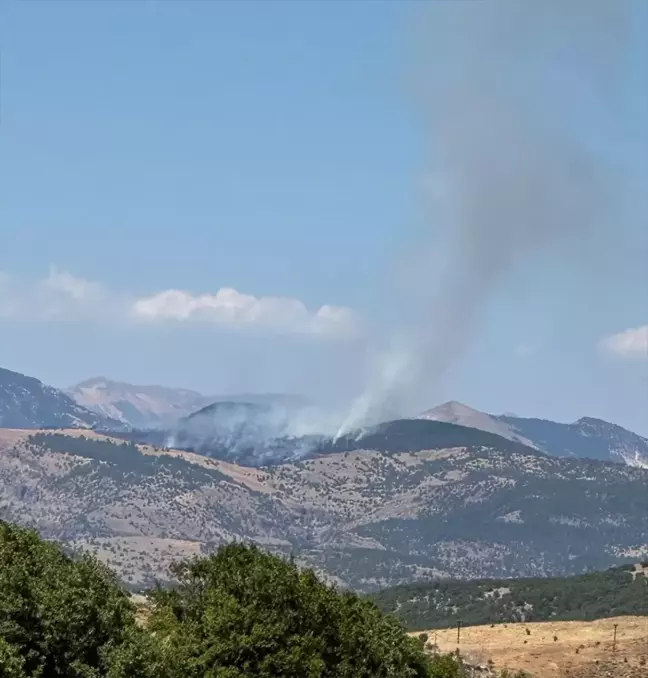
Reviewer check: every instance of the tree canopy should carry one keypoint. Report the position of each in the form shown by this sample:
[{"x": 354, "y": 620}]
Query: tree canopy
[
  {"x": 244, "y": 612},
  {"x": 240, "y": 612},
  {"x": 58, "y": 616}
]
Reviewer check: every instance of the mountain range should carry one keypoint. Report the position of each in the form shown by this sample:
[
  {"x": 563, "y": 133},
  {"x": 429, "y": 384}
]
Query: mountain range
[
  {"x": 587, "y": 437},
  {"x": 259, "y": 429},
  {"x": 369, "y": 513},
  {"x": 156, "y": 407},
  {"x": 136, "y": 406},
  {"x": 477, "y": 496}
]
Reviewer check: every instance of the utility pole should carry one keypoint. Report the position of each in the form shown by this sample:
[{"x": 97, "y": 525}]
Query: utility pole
[
  {"x": 614, "y": 639},
  {"x": 458, "y": 632}
]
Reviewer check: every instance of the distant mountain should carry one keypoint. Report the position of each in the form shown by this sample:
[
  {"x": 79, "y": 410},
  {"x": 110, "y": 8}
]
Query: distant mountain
[
  {"x": 25, "y": 402},
  {"x": 271, "y": 433},
  {"x": 160, "y": 407},
  {"x": 587, "y": 437},
  {"x": 453, "y": 412},
  {"x": 137, "y": 406},
  {"x": 264, "y": 435},
  {"x": 287, "y": 400}
]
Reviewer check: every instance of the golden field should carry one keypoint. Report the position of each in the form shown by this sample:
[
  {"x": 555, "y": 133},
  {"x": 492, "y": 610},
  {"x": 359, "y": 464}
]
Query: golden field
[{"x": 555, "y": 649}]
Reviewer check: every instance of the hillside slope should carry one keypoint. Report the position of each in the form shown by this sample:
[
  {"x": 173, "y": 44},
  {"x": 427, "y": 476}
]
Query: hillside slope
[
  {"x": 369, "y": 517},
  {"x": 25, "y": 402},
  {"x": 587, "y": 437}
]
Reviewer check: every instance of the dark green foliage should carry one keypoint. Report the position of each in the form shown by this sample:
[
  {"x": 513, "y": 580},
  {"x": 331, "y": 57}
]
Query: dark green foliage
[
  {"x": 122, "y": 461},
  {"x": 585, "y": 597},
  {"x": 11, "y": 663},
  {"x": 124, "y": 454},
  {"x": 59, "y": 617},
  {"x": 446, "y": 666},
  {"x": 239, "y": 613},
  {"x": 243, "y": 612}
]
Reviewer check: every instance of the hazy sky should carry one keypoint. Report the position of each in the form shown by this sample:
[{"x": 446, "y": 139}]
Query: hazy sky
[{"x": 218, "y": 196}]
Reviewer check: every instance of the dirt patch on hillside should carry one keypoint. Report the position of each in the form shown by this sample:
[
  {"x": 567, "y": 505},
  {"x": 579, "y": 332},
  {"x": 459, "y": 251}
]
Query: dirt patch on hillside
[{"x": 555, "y": 649}]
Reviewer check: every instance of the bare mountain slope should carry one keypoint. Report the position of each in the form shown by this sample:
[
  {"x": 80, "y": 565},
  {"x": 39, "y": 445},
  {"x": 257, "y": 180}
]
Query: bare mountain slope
[
  {"x": 146, "y": 407},
  {"x": 137, "y": 406},
  {"x": 367, "y": 517},
  {"x": 454, "y": 412}
]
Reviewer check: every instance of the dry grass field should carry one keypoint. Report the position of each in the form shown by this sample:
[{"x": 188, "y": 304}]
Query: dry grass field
[{"x": 555, "y": 649}]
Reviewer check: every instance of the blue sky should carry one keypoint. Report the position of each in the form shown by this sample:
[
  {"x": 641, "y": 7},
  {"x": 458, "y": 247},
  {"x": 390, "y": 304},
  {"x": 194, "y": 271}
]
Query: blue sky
[{"x": 154, "y": 153}]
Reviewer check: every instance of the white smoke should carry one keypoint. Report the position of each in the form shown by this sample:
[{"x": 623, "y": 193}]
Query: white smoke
[
  {"x": 255, "y": 433},
  {"x": 514, "y": 166}
]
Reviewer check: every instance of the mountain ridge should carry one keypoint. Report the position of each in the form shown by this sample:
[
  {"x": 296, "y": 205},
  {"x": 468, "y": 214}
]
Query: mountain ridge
[
  {"x": 262, "y": 428},
  {"x": 367, "y": 518},
  {"x": 136, "y": 405},
  {"x": 25, "y": 402},
  {"x": 155, "y": 406},
  {"x": 587, "y": 437},
  {"x": 454, "y": 412}
]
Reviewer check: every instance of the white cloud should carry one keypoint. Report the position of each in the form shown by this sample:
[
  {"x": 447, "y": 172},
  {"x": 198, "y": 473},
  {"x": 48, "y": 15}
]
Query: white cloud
[
  {"x": 63, "y": 295},
  {"x": 631, "y": 343},
  {"x": 69, "y": 286},
  {"x": 58, "y": 295},
  {"x": 229, "y": 307}
]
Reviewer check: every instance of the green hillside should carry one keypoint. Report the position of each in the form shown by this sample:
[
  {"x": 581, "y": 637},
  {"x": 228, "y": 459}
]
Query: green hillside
[{"x": 618, "y": 591}]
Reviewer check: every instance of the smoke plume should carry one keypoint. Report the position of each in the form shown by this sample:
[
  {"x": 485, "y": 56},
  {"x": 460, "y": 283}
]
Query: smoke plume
[{"x": 515, "y": 96}]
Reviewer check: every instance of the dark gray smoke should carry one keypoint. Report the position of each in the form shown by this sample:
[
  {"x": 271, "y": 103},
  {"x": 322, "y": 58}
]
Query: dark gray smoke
[{"x": 519, "y": 99}]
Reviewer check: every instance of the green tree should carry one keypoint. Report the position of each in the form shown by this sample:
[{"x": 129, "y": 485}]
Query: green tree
[
  {"x": 244, "y": 612},
  {"x": 239, "y": 613},
  {"x": 60, "y": 617}
]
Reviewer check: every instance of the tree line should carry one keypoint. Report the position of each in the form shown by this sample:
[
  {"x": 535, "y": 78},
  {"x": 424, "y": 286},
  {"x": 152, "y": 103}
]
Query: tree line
[{"x": 594, "y": 595}]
